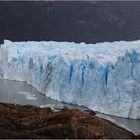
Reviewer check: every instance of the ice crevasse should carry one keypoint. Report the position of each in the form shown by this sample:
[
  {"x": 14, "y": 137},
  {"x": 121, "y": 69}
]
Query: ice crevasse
[{"x": 104, "y": 77}]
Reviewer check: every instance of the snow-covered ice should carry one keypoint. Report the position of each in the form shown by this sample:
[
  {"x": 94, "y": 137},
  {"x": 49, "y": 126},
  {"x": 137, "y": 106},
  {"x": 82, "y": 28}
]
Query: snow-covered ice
[
  {"x": 104, "y": 77},
  {"x": 54, "y": 107}
]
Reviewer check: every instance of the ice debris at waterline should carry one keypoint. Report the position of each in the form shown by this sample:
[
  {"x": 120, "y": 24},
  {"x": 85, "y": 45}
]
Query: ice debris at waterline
[{"x": 104, "y": 77}]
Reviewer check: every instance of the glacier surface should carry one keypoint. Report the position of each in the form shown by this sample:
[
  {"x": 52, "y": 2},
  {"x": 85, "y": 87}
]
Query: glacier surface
[{"x": 104, "y": 77}]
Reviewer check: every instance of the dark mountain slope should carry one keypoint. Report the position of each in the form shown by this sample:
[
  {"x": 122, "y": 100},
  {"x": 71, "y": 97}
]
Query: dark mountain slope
[{"x": 89, "y": 22}]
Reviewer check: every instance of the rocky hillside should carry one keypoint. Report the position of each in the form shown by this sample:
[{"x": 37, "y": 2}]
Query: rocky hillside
[
  {"x": 85, "y": 21},
  {"x": 18, "y": 121}
]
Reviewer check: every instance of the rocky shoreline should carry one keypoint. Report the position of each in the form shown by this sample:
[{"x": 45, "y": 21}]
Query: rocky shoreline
[{"x": 17, "y": 121}]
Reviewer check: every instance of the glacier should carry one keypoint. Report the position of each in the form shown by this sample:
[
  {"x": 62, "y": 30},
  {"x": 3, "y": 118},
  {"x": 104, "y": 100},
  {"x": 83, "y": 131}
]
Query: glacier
[{"x": 104, "y": 77}]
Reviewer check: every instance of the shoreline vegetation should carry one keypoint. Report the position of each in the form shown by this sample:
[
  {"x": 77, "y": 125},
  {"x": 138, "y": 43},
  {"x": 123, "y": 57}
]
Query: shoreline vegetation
[{"x": 27, "y": 121}]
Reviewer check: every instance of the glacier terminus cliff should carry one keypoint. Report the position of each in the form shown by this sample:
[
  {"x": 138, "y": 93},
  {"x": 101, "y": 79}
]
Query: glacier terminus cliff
[{"x": 104, "y": 77}]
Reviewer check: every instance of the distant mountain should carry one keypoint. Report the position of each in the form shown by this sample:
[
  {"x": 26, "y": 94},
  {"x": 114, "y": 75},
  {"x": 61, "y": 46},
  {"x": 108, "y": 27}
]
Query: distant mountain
[{"x": 86, "y": 21}]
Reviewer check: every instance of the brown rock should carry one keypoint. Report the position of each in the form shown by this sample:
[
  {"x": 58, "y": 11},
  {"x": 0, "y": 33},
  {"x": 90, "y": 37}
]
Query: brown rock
[{"x": 28, "y": 121}]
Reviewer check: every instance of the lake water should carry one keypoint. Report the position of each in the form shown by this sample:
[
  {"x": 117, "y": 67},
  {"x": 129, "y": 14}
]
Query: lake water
[{"x": 21, "y": 93}]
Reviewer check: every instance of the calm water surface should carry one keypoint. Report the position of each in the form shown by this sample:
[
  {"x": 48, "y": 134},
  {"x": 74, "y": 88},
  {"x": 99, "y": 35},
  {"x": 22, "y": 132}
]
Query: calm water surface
[{"x": 21, "y": 93}]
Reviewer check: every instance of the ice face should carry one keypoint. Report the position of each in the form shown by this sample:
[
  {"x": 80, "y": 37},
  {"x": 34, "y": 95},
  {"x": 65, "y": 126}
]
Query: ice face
[{"x": 104, "y": 77}]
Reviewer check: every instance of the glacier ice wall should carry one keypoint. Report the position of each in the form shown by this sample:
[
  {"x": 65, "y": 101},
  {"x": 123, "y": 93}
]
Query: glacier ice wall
[{"x": 104, "y": 77}]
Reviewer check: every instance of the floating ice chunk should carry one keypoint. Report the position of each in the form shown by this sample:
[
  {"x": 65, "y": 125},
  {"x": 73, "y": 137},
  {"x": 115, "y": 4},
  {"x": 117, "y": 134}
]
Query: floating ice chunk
[
  {"x": 28, "y": 95},
  {"x": 23, "y": 92}
]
